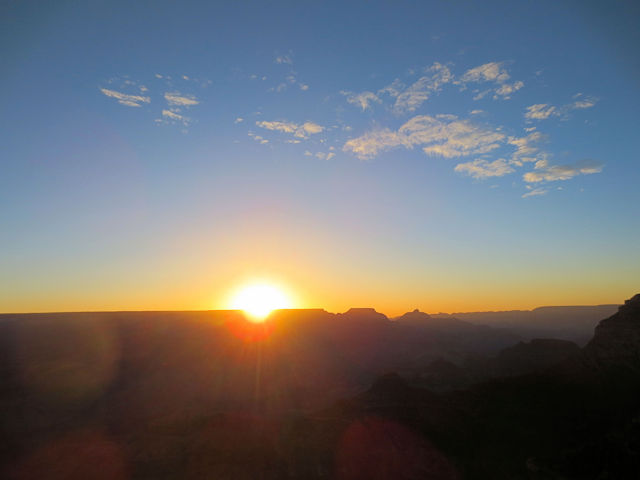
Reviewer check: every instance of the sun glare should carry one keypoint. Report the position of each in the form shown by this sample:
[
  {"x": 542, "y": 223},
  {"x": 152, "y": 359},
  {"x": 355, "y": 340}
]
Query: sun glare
[{"x": 259, "y": 300}]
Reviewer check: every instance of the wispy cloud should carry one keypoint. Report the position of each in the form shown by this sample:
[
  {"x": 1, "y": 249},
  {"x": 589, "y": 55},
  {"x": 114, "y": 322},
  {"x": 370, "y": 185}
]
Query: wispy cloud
[
  {"x": 297, "y": 130},
  {"x": 534, "y": 192},
  {"x": 550, "y": 173},
  {"x": 583, "y": 103},
  {"x": 482, "y": 169},
  {"x": 258, "y": 138},
  {"x": 409, "y": 99},
  {"x": 542, "y": 111},
  {"x": 286, "y": 59},
  {"x": 320, "y": 155},
  {"x": 238, "y": 120},
  {"x": 179, "y": 100},
  {"x": 126, "y": 99},
  {"x": 170, "y": 116},
  {"x": 394, "y": 89},
  {"x": 177, "y": 103},
  {"x": 493, "y": 72},
  {"x": 414, "y": 96},
  {"x": 442, "y": 135},
  {"x": 526, "y": 148},
  {"x": 289, "y": 80},
  {"x": 489, "y": 72},
  {"x": 505, "y": 90},
  {"x": 362, "y": 100}
]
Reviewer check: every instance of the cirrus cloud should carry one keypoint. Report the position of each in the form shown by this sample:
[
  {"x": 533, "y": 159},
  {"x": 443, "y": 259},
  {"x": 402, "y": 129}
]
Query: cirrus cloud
[
  {"x": 179, "y": 100},
  {"x": 491, "y": 72},
  {"x": 481, "y": 169},
  {"x": 534, "y": 192},
  {"x": 408, "y": 99},
  {"x": 362, "y": 100},
  {"x": 126, "y": 99},
  {"x": 551, "y": 173},
  {"x": 442, "y": 135},
  {"x": 297, "y": 130},
  {"x": 543, "y": 111},
  {"x": 540, "y": 111}
]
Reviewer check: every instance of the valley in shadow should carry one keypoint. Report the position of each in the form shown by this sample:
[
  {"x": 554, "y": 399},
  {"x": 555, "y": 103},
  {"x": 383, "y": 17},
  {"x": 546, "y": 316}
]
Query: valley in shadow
[{"x": 310, "y": 394}]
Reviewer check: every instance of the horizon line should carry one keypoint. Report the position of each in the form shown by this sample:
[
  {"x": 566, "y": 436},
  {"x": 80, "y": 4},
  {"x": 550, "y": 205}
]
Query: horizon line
[{"x": 308, "y": 309}]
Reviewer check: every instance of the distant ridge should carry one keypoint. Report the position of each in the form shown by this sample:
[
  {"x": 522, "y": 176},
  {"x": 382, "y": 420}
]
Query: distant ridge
[
  {"x": 369, "y": 314},
  {"x": 541, "y": 308},
  {"x": 573, "y": 323}
]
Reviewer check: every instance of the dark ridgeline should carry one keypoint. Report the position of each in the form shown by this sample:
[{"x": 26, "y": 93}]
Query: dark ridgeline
[
  {"x": 311, "y": 394},
  {"x": 565, "y": 323}
]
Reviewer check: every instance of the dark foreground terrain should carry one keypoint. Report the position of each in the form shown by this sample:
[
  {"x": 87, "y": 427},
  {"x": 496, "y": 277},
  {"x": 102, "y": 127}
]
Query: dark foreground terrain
[{"x": 308, "y": 394}]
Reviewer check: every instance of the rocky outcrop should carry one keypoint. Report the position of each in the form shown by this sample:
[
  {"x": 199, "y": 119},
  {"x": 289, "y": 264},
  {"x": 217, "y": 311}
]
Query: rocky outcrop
[{"x": 616, "y": 342}]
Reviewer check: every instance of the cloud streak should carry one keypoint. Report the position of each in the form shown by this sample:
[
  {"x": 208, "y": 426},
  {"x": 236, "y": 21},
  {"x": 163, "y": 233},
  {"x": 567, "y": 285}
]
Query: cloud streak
[
  {"x": 409, "y": 99},
  {"x": 534, "y": 192},
  {"x": 363, "y": 100},
  {"x": 440, "y": 135},
  {"x": 126, "y": 99},
  {"x": 491, "y": 72},
  {"x": 303, "y": 130},
  {"x": 543, "y": 111},
  {"x": 176, "y": 99},
  {"x": 286, "y": 59},
  {"x": 540, "y": 111},
  {"x": 481, "y": 169},
  {"x": 526, "y": 148},
  {"x": 552, "y": 173}
]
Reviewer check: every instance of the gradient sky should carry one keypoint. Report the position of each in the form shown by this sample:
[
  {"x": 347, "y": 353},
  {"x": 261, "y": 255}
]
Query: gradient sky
[{"x": 445, "y": 155}]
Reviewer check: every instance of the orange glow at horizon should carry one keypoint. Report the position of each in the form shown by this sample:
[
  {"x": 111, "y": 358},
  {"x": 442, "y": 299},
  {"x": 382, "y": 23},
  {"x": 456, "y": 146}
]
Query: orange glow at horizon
[{"x": 258, "y": 300}]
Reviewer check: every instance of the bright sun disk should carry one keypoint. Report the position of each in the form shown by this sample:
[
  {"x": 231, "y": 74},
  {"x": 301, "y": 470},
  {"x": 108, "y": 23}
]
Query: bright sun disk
[{"x": 259, "y": 300}]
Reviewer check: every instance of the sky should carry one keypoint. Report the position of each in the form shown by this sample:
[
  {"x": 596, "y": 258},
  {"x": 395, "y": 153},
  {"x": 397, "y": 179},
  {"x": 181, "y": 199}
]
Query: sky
[{"x": 441, "y": 155}]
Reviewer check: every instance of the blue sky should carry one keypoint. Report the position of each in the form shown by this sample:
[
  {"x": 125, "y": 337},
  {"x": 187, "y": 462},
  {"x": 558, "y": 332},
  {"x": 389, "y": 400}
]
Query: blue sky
[{"x": 444, "y": 155}]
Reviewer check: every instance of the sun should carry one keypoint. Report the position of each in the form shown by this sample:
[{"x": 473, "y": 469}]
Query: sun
[{"x": 259, "y": 300}]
